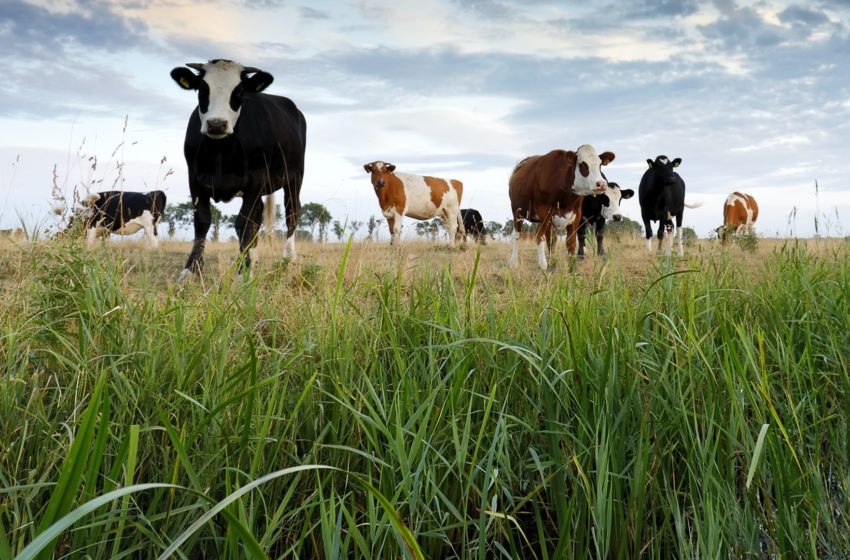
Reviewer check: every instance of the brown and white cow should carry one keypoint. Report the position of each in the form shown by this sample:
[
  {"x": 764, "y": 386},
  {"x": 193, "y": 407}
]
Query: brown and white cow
[
  {"x": 417, "y": 196},
  {"x": 549, "y": 189},
  {"x": 740, "y": 213}
]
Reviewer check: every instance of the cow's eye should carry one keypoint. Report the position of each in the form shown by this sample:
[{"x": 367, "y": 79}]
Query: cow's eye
[
  {"x": 236, "y": 97},
  {"x": 204, "y": 97}
]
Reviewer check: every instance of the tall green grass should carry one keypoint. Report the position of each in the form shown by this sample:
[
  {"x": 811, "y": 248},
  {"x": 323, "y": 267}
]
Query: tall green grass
[{"x": 697, "y": 412}]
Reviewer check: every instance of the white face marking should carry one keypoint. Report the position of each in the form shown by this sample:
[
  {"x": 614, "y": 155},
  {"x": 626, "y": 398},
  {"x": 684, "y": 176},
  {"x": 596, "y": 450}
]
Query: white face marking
[
  {"x": 585, "y": 186},
  {"x": 222, "y": 78},
  {"x": 612, "y": 209},
  {"x": 663, "y": 159}
]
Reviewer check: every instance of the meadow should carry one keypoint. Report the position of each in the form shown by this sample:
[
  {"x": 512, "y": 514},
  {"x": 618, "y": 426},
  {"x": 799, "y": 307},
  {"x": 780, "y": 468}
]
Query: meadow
[{"x": 368, "y": 402}]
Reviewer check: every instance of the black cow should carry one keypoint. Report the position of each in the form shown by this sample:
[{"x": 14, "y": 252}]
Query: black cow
[
  {"x": 662, "y": 197},
  {"x": 473, "y": 223},
  {"x": 240, "y": 142},
  {"x": 597, "y": 210},
  {"x": 121, "y": 212}
]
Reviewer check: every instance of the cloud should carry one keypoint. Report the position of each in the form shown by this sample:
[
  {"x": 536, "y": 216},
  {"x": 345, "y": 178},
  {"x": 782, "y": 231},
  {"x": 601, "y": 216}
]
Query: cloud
[
  {"x": 799, "y": 15},
  {"x": 32, "y": 32}
]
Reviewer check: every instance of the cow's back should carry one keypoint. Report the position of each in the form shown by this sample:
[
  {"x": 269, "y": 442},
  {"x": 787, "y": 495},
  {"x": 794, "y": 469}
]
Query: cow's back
[{"x": 542, "y": 179}]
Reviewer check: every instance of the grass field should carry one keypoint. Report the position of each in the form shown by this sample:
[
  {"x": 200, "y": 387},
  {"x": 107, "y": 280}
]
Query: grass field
[{"x": 364, "y": 402}]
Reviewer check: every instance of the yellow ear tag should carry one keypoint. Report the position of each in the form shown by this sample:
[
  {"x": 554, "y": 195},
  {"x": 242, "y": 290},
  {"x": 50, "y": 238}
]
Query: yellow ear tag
[{"x": 184, "y": 82}]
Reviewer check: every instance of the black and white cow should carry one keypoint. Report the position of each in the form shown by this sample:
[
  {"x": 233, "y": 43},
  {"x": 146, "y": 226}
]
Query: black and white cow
[
  {"x": 120, "y": 212},
  {"x": 473, "y": 223},
  {"x": 240, "y": 143},
  {"x": 662, "y": 198},
  {"x": 597, "y": 210}
]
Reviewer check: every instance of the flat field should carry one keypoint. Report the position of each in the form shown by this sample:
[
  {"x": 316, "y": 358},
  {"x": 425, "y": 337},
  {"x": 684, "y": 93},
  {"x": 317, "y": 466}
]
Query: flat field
[{"x": 365, "y": 401}]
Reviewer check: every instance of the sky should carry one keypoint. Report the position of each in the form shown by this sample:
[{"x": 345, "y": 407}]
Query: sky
[{"x": 754, "y": 96}]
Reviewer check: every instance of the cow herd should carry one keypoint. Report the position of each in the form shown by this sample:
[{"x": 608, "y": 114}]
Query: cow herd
[{"x": 241, "y": 142}]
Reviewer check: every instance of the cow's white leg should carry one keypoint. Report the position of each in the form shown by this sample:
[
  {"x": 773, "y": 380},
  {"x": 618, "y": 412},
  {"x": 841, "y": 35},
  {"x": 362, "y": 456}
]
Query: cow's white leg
[
  {"x": 541, "y": 255},
  {"x": 152, "y": 240},
  {"x": 91, "y": 236},
  {"x": 451, "y": 229},
  {"x": 649, "y": 244},
  {"x": 289, "y": 248},
  {"x": 681, "y": 249},
  {"x": 513, "y": 262},
  {"x": 396, "y": 235}
]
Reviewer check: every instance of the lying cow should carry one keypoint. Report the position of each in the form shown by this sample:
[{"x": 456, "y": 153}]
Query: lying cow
[
  {"x": 548, "y": 189},
  {"x": 473, "y": 224},
  {"x": 421, "y": 198},
  {"x": 740, "y": 213},
  {"x": 662, "y": 198},
  {"x": 597, "y": 210},
  {"x": 120, "y": 212}
]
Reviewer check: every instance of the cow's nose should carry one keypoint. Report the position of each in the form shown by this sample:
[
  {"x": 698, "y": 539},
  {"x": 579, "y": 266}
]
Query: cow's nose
[
  {"x": 380, "y": 183},
  {"x": 618, "y": 217},
  {"x": 601, "y": 186},
  {"x": 216, "y": 126}
]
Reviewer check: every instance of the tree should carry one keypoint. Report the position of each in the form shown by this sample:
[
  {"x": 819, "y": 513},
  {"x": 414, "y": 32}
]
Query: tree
[
  {"x": 372, "y": 228},
  {"x": 178, "y": 215},
  {"x": 313, "y": 214},
  {"x": 429, "y": 229},
  {"x": 623, "y": 229},
  {"x": 493, "y": 229},
  {"x": 183, "y": 214},
  {"x": 354, "y": 226},
  {"x": 338, "y": 229}
]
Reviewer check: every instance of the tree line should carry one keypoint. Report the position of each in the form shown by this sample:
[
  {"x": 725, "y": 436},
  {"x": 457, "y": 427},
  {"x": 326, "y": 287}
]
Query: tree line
[{"x": 316, "y": 218}]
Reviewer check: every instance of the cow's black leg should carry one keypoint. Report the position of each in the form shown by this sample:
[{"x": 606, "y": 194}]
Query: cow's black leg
[
  {"x": 247, "y": 227},
  {"x": 647, "y": 231},
  {"x": 202, "y": 218},
  {"x": 600, "y": 236}
]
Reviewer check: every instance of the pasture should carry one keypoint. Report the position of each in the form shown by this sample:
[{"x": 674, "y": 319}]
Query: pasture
[{"x": 372, "y": 402}]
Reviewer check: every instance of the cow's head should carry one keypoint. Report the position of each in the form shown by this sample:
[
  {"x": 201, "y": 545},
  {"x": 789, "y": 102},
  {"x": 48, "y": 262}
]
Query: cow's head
[
  {"x": 611, "y": 201},
  {"x": 663, "y": 167},
  {"x": 220, "y": 85},
  {"x": 379, "y": 171},
  {"x": 588, "y": 173}
]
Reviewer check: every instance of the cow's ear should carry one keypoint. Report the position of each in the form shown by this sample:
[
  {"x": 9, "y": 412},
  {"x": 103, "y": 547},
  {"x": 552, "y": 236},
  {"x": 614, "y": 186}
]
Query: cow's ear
[
  {"x": 257, "y": 82},
  {"x": 606, "y": 157},
  {"x": 677, "y": 161},
  {"x": 368, "y": 167},
  {"x": 390, "y": 167},
  {"x": 628, "y": 193},
  {"x": 185, "y": 78},
  {"x": 649, "y": 163}
]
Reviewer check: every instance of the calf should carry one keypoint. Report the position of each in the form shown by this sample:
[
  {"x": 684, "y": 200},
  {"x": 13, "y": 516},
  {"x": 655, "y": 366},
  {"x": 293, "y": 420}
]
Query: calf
[
  {"x": 548, "y": 189},
  {"x": 662, "y": 198},
  {"x": 420, "y": 197},
  {"x": 123, "y": 213},
  {"x": 596, "y": 210},
  {"x": 473, "y": 223},
  {"x": 740, "y": 213}
]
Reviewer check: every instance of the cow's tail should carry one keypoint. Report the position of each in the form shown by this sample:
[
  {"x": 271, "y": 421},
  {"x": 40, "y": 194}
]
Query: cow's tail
[
  {"x": 269, "y": 216},
  {"x": 694, "y": 205}
]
